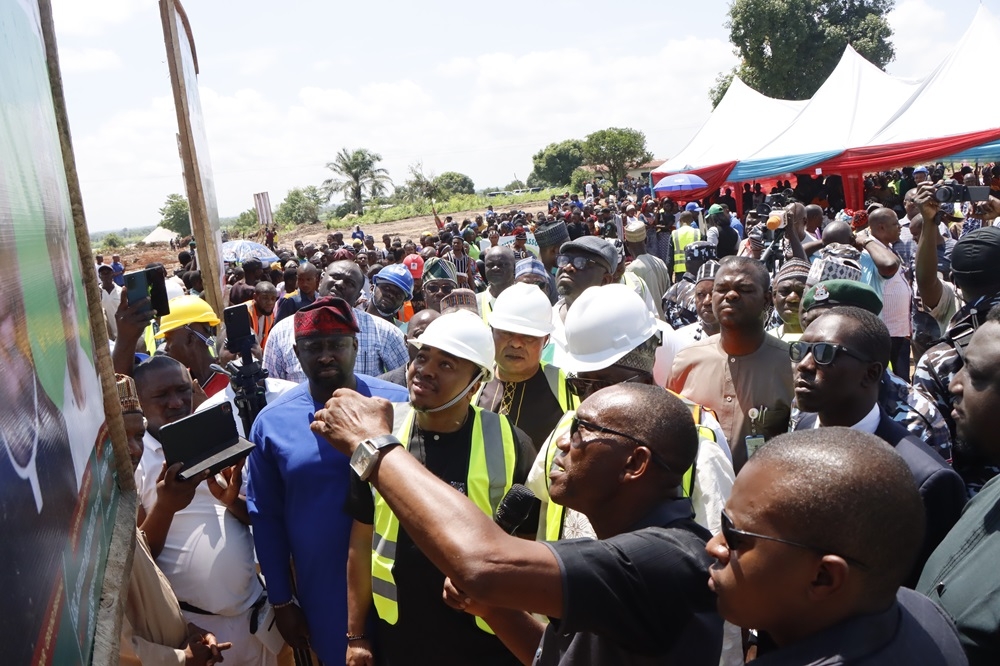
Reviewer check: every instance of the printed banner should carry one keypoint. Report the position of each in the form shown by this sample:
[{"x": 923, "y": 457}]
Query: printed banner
[{"x": 58, "y": 493}]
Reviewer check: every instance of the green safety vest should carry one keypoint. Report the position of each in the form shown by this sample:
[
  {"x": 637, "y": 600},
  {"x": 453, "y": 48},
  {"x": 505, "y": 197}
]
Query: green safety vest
[
  {"x": 681, "y": 238},
  {"x": 554, "y": 512},
  {"x": 556, "y": 379},
  {"x": 491, "y": 471}
]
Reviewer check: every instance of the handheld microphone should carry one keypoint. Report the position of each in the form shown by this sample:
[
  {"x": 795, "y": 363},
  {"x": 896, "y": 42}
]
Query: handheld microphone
[{"x": 514, "y": 508}]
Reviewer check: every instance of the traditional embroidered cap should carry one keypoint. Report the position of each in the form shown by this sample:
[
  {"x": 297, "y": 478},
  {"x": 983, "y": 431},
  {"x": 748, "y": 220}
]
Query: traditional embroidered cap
[
  {"x": 842, "y": 292},
  {"x": 700, "y": 250},
  {"x": 635, "y": 232},
  {"x": 708, "y": 271},
  {"x": 793, "y": 269},
  {"x": 460, "y": 299},
  {"x": 440, "y": 269},
  {"x": 329, "y": 315},
  {"x": 643, "y": 357},
  {"x": 551, "y": 234},
  {"x": 529, "y": 266},
  {"x": 127, "y": 394}
]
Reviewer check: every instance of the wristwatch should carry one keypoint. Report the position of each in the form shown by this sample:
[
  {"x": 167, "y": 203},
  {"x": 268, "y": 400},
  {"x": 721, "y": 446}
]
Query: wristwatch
[{"x": 366, "y": 456}]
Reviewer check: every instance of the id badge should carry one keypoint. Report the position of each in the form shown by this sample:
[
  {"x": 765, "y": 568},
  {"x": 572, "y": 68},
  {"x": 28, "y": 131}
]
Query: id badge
[{"x": 754, "y": 442}]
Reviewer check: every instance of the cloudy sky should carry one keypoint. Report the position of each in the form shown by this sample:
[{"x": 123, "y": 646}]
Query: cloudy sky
[{"x": 474, "y": 88}]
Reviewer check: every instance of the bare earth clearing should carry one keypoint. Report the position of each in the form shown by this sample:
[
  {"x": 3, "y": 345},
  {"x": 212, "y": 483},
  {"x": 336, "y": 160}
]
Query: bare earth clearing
[{"x": 410, "y": 228}]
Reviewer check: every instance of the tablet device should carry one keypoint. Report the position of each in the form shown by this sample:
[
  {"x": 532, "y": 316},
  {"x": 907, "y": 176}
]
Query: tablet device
[{"x": 206, "y": 440}]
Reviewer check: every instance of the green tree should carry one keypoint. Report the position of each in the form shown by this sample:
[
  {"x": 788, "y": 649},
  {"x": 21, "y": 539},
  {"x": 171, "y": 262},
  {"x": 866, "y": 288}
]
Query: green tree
[
  {"x": 176, "y": 216},
  {"x": 246, "y": 221},
  {"x": 788, "y": 48},
  {"x": 722, "y": 83},
  {"x": 515, "y": 185},
  {"x": 452, "y": 182},
  {"x": 577, "y": 179},
  {"x": 298, "y": 208},
  {"x": 554, "y": 164},
  {"x": 112, "y": 242},
  {"x": 615, "y": 151},
  {"x": 360, "y": 177}
]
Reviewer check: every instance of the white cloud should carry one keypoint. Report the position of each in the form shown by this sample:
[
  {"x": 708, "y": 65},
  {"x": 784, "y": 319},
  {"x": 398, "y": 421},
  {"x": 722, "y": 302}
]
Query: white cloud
[
  {"x": 484, "y": 116},
  {"x": 918, "y": 38},
  {"x": 88, "y": 60},
  {"x": 75, "y": 17}
]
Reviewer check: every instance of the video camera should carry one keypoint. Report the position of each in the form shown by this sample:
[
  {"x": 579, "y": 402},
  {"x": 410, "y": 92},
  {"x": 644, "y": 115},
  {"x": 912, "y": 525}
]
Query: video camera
[
  {"x": 772, "y": 201},
  {"x": 952, "y": 191}
]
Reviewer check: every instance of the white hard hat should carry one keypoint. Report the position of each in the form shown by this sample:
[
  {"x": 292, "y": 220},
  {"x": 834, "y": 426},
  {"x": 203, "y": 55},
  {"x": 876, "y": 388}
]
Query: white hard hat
[
  {"x": 522, "y": 308},
  {"x": 604, "y": 324},
  {"x": 462, "y": 334}
]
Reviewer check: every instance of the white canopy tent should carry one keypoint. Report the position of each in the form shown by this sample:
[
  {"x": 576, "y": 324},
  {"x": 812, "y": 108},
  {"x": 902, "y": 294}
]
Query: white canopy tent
[
  {"x": 160, "y": 235},
  {"x": 743, "y": 122}
]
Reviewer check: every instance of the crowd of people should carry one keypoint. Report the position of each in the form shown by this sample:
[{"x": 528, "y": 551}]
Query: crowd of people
[{"x": 768, "y": 438}]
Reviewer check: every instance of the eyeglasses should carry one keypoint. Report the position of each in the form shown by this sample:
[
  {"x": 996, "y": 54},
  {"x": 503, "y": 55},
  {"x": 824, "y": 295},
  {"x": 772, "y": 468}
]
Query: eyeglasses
[
  {"x": 824, "y": 353},
  {"x": 436, "y": 288},
  {"x": 203, "y": 338},
  {"x": 580, "y": 386},
  {"x": 734, "y": 540},
  {"x": 575, "y": 438},
  {"x": 578, "y": 262}
]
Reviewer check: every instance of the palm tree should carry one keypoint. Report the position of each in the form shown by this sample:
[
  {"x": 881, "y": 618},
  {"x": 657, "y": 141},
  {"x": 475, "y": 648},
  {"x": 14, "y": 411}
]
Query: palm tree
[{"x": 360, "y": 177}]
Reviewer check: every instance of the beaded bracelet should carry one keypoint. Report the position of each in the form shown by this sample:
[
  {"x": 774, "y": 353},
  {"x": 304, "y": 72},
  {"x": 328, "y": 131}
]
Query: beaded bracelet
[{"x": 355, "y": 637}]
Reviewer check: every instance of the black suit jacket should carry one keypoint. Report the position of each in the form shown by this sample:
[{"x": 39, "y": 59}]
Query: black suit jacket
[{"x": 941, "y": 488}]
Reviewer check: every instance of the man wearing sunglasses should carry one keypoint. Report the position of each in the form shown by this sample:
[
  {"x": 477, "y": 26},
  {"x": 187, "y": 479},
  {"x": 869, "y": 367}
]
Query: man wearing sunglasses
[
  {"x": 838, "y": 366},
  {"x": 821, "y": 530},
  {"x": 583, "y": 263},
  {"x": 622, "y": 472},
  {"x": 440, "y": 278}
]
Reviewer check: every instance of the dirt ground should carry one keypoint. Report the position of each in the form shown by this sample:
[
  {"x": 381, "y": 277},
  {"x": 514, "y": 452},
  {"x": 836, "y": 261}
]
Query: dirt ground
[{"x": 410, "y": 228}]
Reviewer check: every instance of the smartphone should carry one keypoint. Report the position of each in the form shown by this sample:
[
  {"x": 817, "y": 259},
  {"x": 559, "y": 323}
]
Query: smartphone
[
  {"x": 238, "y": 331},
  {"x": 148, "y": 283},
  {"x": 137, "y": 287}
]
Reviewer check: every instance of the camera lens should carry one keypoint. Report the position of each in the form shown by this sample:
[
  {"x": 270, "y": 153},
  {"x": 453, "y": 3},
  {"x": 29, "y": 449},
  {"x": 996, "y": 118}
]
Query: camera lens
[{"x": 944, "y": 194}]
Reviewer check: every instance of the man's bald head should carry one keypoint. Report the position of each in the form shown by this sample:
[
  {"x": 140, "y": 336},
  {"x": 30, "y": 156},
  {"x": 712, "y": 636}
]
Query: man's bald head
[
  {"x": 838, "y": 232},
  {"x": 881, "y": 216},
  {"x": 649, "y": 413},
  {"x": 265, "y": 288},
  {"x": 418, "y": 323},
  {"x": 849, "y": 493},
  {"x": 814, "y": 216}
]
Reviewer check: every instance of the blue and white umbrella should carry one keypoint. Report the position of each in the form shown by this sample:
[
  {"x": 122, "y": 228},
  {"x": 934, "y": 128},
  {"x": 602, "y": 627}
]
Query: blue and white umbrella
[
  {"x": 238, "y": 251},
  {"x": 680, "y": 182}
]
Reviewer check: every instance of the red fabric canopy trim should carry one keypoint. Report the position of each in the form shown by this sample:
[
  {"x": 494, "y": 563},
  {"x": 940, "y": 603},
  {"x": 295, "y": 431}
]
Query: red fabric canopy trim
[
  {"x": 877, "y": 158},
  {"x": 714, "y": 175}
]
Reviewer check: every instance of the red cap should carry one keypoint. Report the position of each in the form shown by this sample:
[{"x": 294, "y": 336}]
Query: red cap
[
  {"x": 415, "y": 264},
  {"x": 326, "y": 316}
]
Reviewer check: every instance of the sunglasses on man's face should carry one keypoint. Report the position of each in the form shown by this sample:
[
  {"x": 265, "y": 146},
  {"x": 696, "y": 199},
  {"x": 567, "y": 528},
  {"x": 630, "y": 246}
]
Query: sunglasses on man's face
[
  {"x": 436, "y": 288},
  {"x": 824, "y": 353},
  {"x": 735, "y": 540},
  {"x": 578, "y": 262}
]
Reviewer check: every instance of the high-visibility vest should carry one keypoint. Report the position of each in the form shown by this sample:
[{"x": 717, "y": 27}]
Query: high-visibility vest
[
  {"x": 556, "y": 380},
  {"x": 255, "y": 320},
  {"x": 491, "y": 472},
  {"x": 681, "y": 238},
  {"x": 554, "y": 512},
  {"x": 485, "y": 307}
]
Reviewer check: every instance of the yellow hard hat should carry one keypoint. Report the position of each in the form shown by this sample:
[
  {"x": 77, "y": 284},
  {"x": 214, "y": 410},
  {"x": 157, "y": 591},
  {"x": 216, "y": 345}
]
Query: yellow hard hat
[{"x": 186, "y": 310}]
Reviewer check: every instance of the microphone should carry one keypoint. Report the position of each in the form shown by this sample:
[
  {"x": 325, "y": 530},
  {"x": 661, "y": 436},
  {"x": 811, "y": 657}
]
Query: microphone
[{"x": 514, "y": 508}]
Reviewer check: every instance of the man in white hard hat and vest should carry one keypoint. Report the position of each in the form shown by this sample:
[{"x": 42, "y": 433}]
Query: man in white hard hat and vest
[
  {"x": 613, "y": 339},
  {"x": 477, "y": 452},
  {"x": 532, "y": 394}
]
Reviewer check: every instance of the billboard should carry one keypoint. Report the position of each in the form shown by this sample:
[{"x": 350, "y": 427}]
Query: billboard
[
  {"x": 193, "y": 141},
  {"x": 58, "y": 490}
]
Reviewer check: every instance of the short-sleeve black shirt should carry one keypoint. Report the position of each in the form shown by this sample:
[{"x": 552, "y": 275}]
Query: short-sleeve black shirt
[
  {"x": 428, "y": 631},
  {"x": 639, "y": 598}
]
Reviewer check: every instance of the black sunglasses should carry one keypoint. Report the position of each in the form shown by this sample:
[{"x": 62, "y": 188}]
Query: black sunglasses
[
  {"x": 435, "y": 288},
  {"x": 824, "y": 353},
  {"x": 734, "y": 540},
  {"x": 577, "y": 423},
  {"x": 581, "y": 387},
  {"x": 578, "y": 262}
]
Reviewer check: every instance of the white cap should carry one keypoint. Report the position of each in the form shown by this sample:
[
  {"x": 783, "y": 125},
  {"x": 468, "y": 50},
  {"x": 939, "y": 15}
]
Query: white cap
[
  {"x": 604, "y": 324},
  {"x": 462, "y": 334},
  {"x": 522, "y": 308}
]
